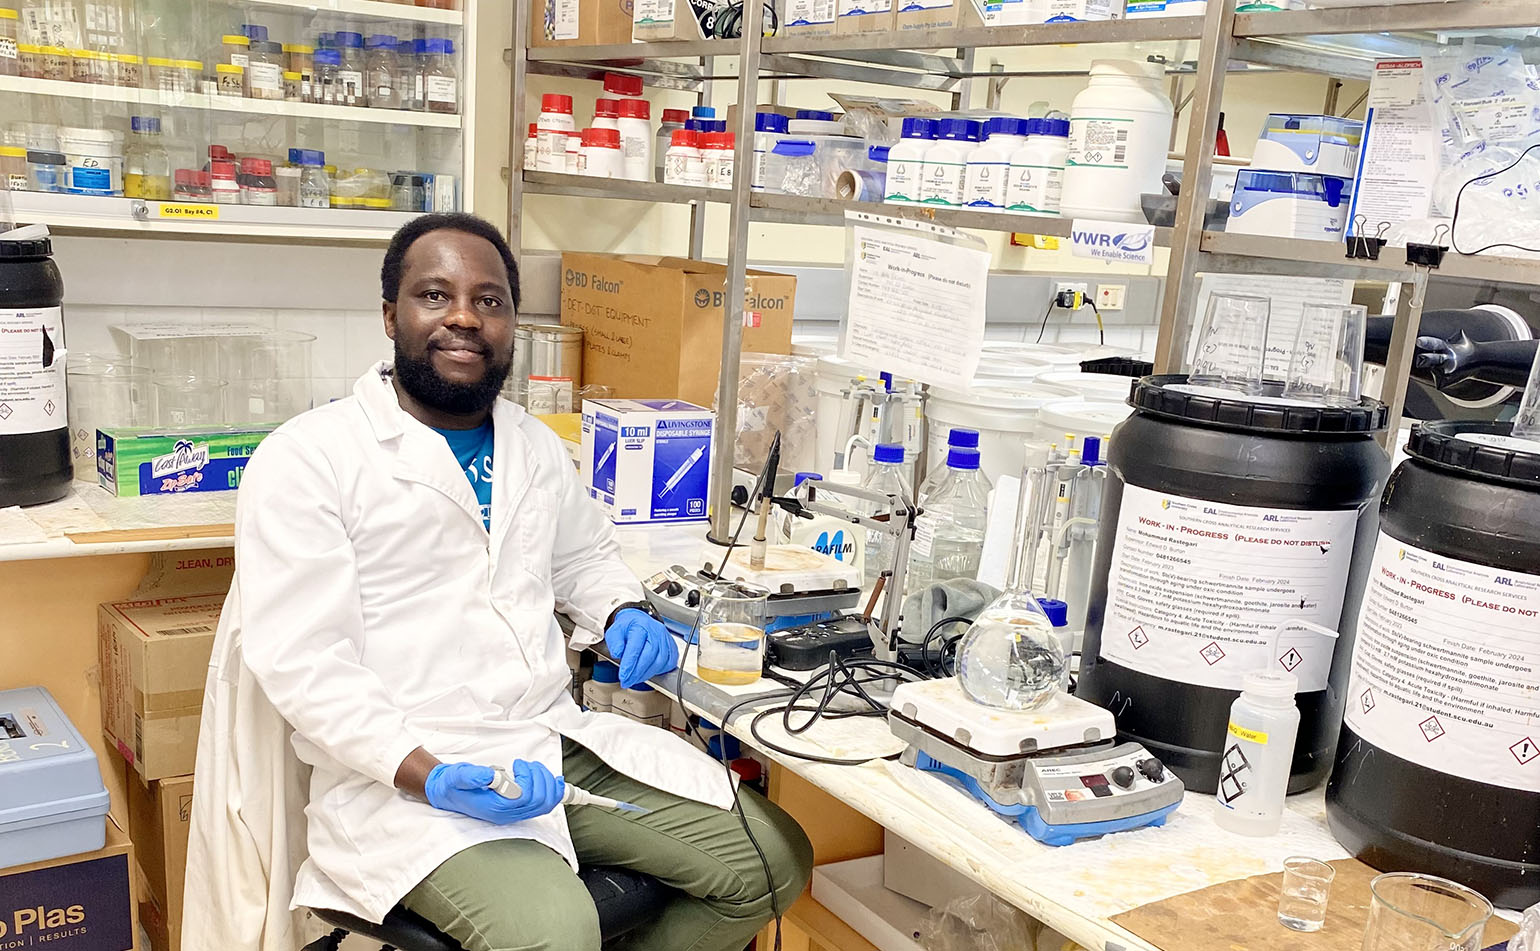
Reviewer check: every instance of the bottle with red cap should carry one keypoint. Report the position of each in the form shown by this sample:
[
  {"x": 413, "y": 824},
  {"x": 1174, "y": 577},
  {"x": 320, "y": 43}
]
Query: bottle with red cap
[
  {"x": 673, "y": 120},
  {"x": 574, "y": 149},
  {"x": 223, "y": 186},
  {"x": 600, "y": 156},
  {"x": 636, "y": 139},
  {"x": 258, "y": 186},
  {"x": 606, "y": 114},
  {"x": 622, "y": 85},
  {"x": 717, "y": 158},
  {"x": 683, "y": 165},
  {"x": 552, "y": 128},
  {"x": 531, "y": 146}
]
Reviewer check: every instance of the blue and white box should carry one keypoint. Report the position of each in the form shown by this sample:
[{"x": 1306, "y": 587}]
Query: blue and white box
[
  {"x": 1289, "y": 205},
  {"x": 52, "y": 801},
  {"x": 647, "y": 460},
  {"x": 1322, "y": 145}
]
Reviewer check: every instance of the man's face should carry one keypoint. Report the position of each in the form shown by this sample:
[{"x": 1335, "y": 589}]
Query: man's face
[{"x": 452, "y": 322}]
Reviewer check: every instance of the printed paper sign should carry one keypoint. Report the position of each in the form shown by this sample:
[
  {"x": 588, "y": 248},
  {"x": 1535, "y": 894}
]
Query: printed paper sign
[
  {"x": 1446, "y": 665},
  {"x": 1113, "y": 241}
]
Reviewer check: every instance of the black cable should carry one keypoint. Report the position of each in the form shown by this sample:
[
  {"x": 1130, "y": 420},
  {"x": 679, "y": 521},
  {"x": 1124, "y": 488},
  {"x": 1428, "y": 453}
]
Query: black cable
[
  {"x": 938, "y": 669},
  {"x": 1044, "y": 328},
  {"x": 1101, "y": 333},
  {"x": 1454, "y": 219}
]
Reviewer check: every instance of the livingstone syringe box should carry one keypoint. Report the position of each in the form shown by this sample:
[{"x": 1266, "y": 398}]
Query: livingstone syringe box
[{"x": 647, "y": 460}]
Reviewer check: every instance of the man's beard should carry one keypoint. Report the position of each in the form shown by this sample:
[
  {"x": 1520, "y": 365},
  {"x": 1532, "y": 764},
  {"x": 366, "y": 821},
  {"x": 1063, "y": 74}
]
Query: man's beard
[{"x": 424, "y": 384}]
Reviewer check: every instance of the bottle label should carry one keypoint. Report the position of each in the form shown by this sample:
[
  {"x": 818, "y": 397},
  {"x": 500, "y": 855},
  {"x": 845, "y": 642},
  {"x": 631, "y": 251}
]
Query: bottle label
[
  {"x": 1098, "y": 142},
  {"x": 1035, "y": 189},
  {"x": 1258, "y": 737},
  {"x": 809, "y": 12},
  {"x": 8, "y": 48},
  {"x": 442, "y": 89},
  {"x": 903, "y": 180},
  {"x": 350, "y": 86},
  {"x": 243, "y": 60},
  {"x": 986, "y": 184},
  {"x": 265, "y": 76},
  {"x": 551, "y": 150},
  {"x": 924, "y": 537},
  {"x": 942, "y": 183},
  {"x": 653, "y": 12},
  {"x": 31, "y": 392},
  {"x": 1198, "y": 591},
  {"x": 1445, "y": 666},
  {"x": 1248, "y": 768}
]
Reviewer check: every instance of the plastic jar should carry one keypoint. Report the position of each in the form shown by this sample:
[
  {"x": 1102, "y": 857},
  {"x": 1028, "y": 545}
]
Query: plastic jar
[
  {"x": 1120, "y": 127},
  {"x": 600, "y": 155},
  {"x": 291, "y": 86},
  {"x": 989, "y": 165},
  {"x": 224, "y": 188},
  {"x": 574, "y": 150},
  {"x": 93, "y": 161},
  {"x": 236, "y": 49},
  {"x": 380, "y": 72},
  {"x": 13, "y": 168},
  {"x": 636, "y": 139},
  {"x": 673, "y": 119},
  {"x": 56, "y": 63},
  {"x": 553, "y": 124},
  {"x": 350, "y": 71},
  {"x": 440, "y": 81},
  {"x": 173, "y": 75},
  {"x": 301, "y": 59},
  {"x": 906, "y": 161},
  {"x": 606, "y": 114},
  {"x": 792, "y": 169},
  {"x": 408, "y": 192},
  {"x": 1037, "y": 168},
  {"x": 286, "y": 182},
  {"x": 684, "y": 164},
  {"x": 9, "y": 34},
  {"x": 46, "y": 171},
  {"x": 258, "y": 186},
  {"x": 29, "y": 60},
  {"x": 531, "y": 145},
  {"x": 946, "y": 162},
  {"x": 264, "y": 72},
  {"x": 717, "y": 158},
  {"x": 35, "y": 463},
  {"x": 314, "y": 186},
  {"x": 128, "y": 70},
  {"x": 769, "y": 128},
  {"x": 323, "y": 89},
  {"x": 89, "y": 66},
  {"x": 231, "y": 79}
]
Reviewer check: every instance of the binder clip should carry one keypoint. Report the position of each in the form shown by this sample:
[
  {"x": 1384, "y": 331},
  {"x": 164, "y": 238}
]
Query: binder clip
[
  {"x": 1428, "y": 255},
  {"x": 1362, "y": 247}
]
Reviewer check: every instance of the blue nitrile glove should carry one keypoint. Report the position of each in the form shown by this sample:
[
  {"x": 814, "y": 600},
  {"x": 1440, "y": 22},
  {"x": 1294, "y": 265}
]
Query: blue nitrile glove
[
  {"x": 641, "y": 645},
  {"x": 462, "y": 788}
]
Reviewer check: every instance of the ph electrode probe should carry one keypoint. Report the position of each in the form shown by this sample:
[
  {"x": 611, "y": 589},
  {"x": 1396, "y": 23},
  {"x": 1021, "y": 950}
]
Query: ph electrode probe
[{"x": 504, "y": 785}]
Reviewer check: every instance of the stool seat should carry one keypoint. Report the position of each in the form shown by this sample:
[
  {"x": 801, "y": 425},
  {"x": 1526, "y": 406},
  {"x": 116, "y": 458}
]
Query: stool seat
[{"x": 623, "y": 898}]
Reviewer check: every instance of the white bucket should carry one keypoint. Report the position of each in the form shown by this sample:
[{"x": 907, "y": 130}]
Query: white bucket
[
  {"x": 832, "y": 377},
  {"x": 1094, "y": 386},
  {"x": 93, "y": 161},
  {"x": 1077, "y": 417},
  {"x": 1006, "y": 418}
]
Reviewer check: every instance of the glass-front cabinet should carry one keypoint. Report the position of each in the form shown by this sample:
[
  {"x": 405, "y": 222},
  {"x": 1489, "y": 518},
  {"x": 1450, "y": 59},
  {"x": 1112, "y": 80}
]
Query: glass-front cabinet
[{"x": 311, "y": 118}]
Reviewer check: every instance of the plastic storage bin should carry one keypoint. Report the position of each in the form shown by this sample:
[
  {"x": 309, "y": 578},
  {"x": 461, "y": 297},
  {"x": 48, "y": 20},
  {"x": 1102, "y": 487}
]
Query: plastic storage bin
[
  {"x": 1324, "y": 145},
  {"x": 52, "y": 801},
  {"x": 1289, "y": 205}
]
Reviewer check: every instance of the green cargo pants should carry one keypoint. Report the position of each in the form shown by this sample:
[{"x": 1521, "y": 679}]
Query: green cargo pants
[{"x": 518, "y": 895}]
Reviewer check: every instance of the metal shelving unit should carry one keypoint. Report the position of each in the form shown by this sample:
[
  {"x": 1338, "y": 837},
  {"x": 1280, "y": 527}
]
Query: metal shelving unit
[{"x": 1319, "y": 41}]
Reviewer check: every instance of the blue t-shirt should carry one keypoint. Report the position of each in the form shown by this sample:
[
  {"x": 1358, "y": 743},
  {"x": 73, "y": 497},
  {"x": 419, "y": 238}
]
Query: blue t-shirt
[{"x": 473, "y": 450}]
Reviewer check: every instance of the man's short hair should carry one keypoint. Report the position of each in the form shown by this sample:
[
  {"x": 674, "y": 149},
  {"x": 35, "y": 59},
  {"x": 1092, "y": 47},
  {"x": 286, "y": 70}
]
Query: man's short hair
[{"x": 390, "y": 270}]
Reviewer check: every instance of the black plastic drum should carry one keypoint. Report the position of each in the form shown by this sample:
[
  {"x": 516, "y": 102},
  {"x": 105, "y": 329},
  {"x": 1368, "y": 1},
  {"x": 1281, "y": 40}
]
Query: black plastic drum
[{"x": 34, "y": 431}]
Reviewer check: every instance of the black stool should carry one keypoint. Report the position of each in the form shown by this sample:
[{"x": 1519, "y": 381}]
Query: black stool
[{"x": 623, "y": 898}]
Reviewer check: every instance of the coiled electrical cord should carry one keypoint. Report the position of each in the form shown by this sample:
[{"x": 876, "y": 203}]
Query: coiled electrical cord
[{"x": 726, "y": 22}]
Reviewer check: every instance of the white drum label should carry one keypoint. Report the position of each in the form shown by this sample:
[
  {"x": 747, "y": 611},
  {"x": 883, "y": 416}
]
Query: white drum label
[
  {"x": 1198, "y": 590},
  {"x": 1446, "y": 669},
  {"x": 31, "y": 394}
]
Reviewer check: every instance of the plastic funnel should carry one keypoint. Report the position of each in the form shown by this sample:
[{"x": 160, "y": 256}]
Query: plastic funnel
[
  {"x": 1328, "y": 358},
  {"x": 1526, "y": 425},
  {"x": 1232, "y": 344}
]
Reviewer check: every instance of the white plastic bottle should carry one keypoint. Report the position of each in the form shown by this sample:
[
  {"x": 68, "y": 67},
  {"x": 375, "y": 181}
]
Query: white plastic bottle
[
  {"x": 1259, "y": 748},
  {"x": 1120, "y": 126},
  {"x": 885, "y": 475},
  {"x": 532, "y": 147},
  {"x": 1036, "y": 184},
  {"x": 599, "y": 156},
  {"x": 574, "y": 151},
  {"x": 906, "y": 162},
  {"x": 989, "y": 165},
  {"x": 673, "y": 119},
  {"x": 717, "y": 158},
  {"x": 599, "y": 690},
  {"x": 552, "y": 126},
  {"x": 636, "y": 140},
  {"x": 769, "y": 128},
  {"x": 946, "y": 162},
  {"x": 643, "y": 704},
  {"x": 606, "y": 114},
  {"x": 949, "y": 536},
  {"x": 684, "y": 165}
]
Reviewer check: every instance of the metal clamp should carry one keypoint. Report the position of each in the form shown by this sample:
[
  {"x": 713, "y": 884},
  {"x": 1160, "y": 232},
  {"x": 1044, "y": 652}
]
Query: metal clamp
[
  {"x": 1428, "y": 255},
  {"x": 1363, "y": 248}
]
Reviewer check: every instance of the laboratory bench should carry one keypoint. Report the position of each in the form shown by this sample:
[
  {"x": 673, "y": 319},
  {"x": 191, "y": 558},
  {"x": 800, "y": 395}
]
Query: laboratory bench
[{"x": 1075, "y": 890}]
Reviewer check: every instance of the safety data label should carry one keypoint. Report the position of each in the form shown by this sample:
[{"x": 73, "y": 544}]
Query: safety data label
[
  {"x": 31, "y": 371},
  {"x": 1199, "y": 590},
  {"x": 1446, "y": 669}
]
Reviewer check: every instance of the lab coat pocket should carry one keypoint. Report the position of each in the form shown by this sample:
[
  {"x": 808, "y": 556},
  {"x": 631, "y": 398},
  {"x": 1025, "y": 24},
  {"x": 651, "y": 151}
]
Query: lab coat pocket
[{"x": 535, "y": 536}]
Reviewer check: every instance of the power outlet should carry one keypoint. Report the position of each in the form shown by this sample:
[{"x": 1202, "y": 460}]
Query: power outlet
[
  {"x": 1072, "y": 287},
  {"x": 1110, "y": 296}
]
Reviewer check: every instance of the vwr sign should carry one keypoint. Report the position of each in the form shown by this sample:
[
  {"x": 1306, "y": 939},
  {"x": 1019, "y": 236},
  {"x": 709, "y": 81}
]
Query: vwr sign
[{"x": 1113, "y": 241}]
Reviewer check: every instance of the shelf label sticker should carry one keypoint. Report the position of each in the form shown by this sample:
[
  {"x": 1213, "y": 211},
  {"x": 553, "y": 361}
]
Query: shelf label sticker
[
  {"x": 1113, "y": 241},
  {"x": 188, "y": 212}
]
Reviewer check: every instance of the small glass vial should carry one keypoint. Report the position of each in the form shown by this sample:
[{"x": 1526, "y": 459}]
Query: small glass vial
[
  {"x": 441, "y": 84},
  {"x": 408, "y": 192},
  {"x": 231, "y": 79},
  {"x": 291, "y": 86},
  {"x": 264, "y": 73},
  {"x": 29, "y": 60},
  {"x": 328, "y": 64},
  {"x": 380, "y": 72},
  {"x": 301, "y": 60},
  {"x": 314, "y": 187},
  {"x": 350, "y": 72}
]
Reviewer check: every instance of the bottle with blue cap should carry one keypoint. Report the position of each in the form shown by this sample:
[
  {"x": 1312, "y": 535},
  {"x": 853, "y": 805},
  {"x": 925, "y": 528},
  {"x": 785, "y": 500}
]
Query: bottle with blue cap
[
  {"x": 940, "y": 472},
  {"x": 769, "y": 128},
  {"x": 949, "y": 534},
  {"x": 906, "y": 161},
  {"x": 146, "y": 164},
  {"x": 886, "y": 474},
  {"x": 314, "y": 186},
  {"x": 1036, "y": 183},
  {"x": 946, "y": 162},
  {"x": 989, "y": 165},
  {"x": 802, "y": 492}
]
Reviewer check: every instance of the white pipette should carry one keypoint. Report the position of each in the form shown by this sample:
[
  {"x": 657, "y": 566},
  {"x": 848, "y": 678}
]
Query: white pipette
[{"x": 504, "y": 785}]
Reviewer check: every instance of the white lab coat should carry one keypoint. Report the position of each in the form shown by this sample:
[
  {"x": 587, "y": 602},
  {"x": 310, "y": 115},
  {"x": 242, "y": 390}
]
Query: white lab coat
[{"x": 378, "y": 615}]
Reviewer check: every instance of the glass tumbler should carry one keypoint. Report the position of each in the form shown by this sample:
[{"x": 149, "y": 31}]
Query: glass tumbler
[
  {"x": 732, "y": 633},
  {"x": 102, "y": 392},
  {"x": 1232, "y": 344},
  {"x": 1413, "y": 912},
  {"x": 185, "y": 402},
  {"x": 1303, "y": 896}
]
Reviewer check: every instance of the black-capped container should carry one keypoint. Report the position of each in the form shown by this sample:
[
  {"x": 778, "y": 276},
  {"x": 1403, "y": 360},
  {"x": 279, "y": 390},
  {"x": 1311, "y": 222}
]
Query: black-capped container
[
  {"x": 34, "y": 429},
  {"x": 1225, "y": 517},
  {"x": 1438, "y": 765}
]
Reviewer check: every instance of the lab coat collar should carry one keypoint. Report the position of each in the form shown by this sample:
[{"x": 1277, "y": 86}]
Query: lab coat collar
[{"x": 423, "y": 457}]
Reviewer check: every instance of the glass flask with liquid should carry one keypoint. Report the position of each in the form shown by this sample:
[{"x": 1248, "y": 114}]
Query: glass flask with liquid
[{"x": 732, "y": 633}]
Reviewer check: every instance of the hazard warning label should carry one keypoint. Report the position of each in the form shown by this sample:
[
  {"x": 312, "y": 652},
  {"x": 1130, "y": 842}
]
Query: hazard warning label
[{"x": 1446, "y": 668}]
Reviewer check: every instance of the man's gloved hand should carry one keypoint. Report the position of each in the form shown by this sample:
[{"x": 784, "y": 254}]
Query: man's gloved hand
[
  {"x": 641, "y": 645},
  {"x": 462, "y": 788}
]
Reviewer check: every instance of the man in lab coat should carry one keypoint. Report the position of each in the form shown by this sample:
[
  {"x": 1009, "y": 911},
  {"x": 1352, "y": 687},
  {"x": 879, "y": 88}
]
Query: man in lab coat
[{"x": 399, "y": 557}]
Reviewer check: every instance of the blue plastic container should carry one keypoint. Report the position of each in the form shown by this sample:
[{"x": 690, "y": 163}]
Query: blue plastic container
[{"x": 52, "y": 801}]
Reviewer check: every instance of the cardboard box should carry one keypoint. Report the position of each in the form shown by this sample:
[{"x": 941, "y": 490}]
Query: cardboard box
[
  {"x": 133, "y": 462},
  {"x": 863, "y": 16},
  {"x": 159, "y": 816},
  {"x": 663, "y": 20},
  {"x": 580, "y": 22},
  {"x": 77, "y": 903},
  {"x": 807, "y": 18},
  {"x": 647, "y": 460},
  {"x": 154, "y": 657},
  {"x": 653, "y": 325}
]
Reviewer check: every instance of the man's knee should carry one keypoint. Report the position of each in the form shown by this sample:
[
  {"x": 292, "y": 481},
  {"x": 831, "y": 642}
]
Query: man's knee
[
  {"x": 570, "y": 924},
  {"x": 787, "y": 852}
]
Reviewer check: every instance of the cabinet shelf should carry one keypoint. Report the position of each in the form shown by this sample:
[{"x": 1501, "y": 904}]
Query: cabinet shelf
[
  {"x": 369, "y": 10},
  {"x": 582, "y": 186},
  {"x": 85, "y": 214},
  {"x": 1260, "y": 254}
]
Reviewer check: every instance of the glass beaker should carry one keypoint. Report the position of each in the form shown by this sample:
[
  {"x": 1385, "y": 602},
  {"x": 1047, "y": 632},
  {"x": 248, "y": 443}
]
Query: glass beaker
[
  {"x": 732, "y": 633},
  {"x": 270, "y": 400},
  {"x": 102, "y": 392},
  {"x": 1413, "y": 912},
  {"x": 1326, "y": 365},
  {"x": 184, "y": 402},
  {"x": 1232, "y": 344},
  {"x": 1303, "y": 895},
  {"x": 1526, "y": 425}
]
